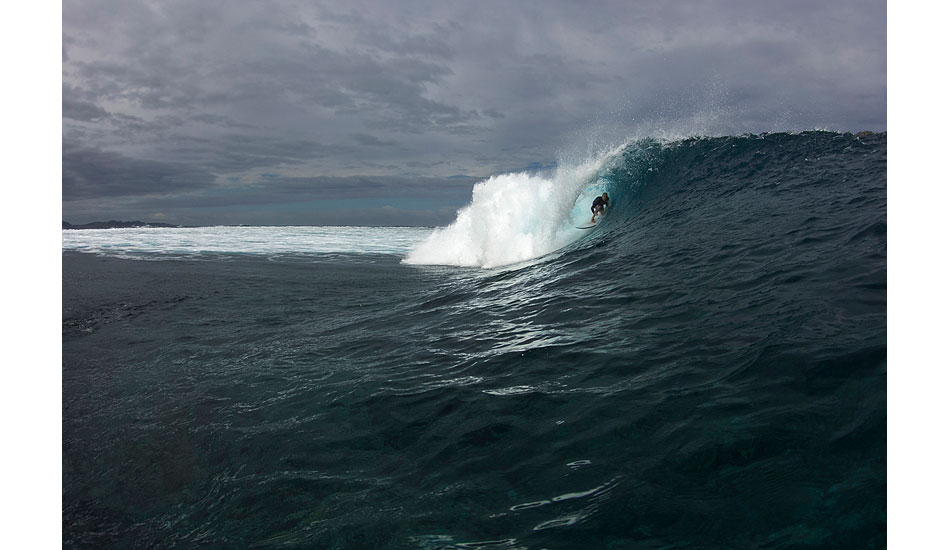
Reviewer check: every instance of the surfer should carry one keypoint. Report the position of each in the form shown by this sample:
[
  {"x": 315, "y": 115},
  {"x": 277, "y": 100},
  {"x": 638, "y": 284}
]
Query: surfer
[{"x": 600, "y": 203}]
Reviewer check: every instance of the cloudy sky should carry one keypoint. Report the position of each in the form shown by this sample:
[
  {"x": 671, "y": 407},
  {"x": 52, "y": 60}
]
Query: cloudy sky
[{"x": 310, "y": 112}]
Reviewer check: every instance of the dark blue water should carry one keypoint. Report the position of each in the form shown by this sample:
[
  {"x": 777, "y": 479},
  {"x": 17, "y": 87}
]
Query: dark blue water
[{"x": 706, "y": 369}]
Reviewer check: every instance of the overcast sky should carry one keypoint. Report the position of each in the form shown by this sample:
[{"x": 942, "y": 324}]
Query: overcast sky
[{"x": 206, "y": 112}]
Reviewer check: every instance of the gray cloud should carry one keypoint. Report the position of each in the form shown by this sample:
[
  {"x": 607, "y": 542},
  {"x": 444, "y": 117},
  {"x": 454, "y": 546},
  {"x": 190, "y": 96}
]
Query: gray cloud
[
  {"x": 179, "y": 97},
  {"x": 367, "y": 139},
  {"x": 94, "y": 173},
  {"x": 77, "y": 109},
  {"x": 325, "y": 200}
]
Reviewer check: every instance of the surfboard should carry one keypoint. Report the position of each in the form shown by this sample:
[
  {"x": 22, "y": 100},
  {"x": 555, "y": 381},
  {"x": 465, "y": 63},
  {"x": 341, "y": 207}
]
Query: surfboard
[{"x": 588, "y": 226}]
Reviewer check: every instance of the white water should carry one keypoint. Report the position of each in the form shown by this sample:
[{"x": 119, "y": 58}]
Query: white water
[
  {"x": 188, "y": 241},
  {"x": 516, "y": 217}
]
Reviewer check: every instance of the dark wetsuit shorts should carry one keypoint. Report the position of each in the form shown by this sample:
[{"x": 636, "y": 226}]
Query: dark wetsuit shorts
[{"x": 598, "y": 202}]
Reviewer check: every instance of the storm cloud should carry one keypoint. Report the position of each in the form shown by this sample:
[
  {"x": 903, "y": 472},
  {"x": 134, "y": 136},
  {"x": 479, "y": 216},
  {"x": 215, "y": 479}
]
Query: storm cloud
[{"x": 196, "y": 112}]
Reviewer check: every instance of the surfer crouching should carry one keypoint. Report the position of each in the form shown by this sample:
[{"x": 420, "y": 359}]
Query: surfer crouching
[{"x": 600, "y": 203}]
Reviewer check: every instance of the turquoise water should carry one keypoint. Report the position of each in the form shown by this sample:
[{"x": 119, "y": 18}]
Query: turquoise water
[{"x": 705, "y": 369}]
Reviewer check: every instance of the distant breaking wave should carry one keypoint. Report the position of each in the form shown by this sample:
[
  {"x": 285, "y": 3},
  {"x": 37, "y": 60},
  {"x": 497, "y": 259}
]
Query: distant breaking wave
[{"x": 154, "y": 243}]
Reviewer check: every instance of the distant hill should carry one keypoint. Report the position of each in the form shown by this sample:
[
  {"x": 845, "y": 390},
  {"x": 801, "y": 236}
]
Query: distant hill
[{"x": 113, "y": 224}]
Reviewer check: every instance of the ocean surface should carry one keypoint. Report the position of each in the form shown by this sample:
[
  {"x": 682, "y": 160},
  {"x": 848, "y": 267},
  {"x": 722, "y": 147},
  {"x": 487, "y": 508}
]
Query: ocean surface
[{"x": 705, "y": 368}]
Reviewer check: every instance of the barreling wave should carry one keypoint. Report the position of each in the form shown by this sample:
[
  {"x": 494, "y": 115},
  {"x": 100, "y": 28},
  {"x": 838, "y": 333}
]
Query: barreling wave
[{"x": 522, "y": 216}]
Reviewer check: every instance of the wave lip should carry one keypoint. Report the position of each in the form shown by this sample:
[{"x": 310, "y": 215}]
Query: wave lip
[{"x": 509, "y": 220}]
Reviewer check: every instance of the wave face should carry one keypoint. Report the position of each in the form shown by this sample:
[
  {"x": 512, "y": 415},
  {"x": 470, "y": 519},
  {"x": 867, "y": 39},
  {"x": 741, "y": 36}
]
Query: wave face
[{"x": 704, "y": 369}]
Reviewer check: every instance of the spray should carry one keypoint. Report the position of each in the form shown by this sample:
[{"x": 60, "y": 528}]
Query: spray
[{"x": 517, "y": 217}]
